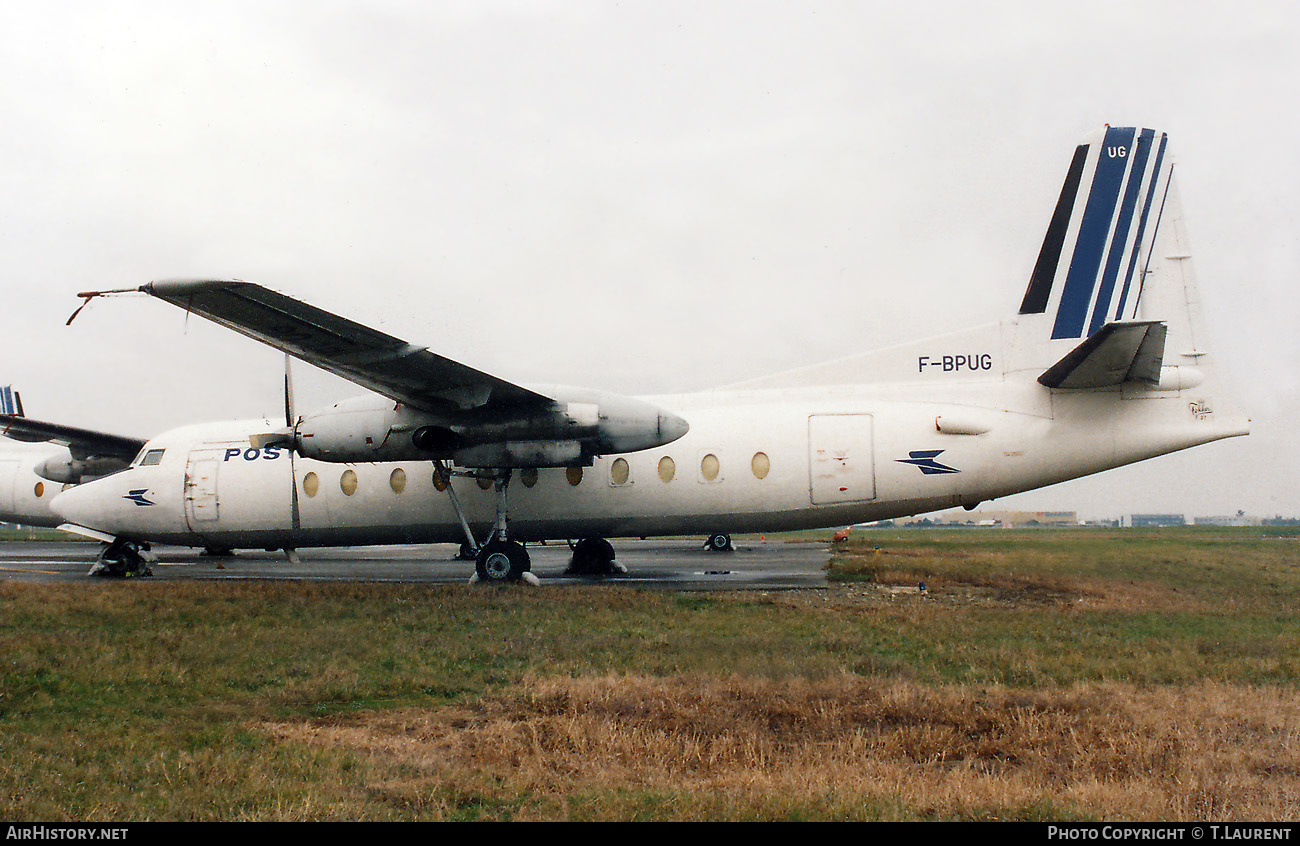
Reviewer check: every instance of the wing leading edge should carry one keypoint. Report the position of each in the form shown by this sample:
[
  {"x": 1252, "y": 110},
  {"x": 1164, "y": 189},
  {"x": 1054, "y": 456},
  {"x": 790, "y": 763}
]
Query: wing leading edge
[{"x": 389, "y": 366}]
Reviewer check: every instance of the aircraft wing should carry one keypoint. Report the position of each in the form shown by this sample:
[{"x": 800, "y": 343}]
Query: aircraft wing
[
  {"x": 445, "y": 409},
  {"x": 82, "y": 443},
  {"x": 389, "y": 366}
]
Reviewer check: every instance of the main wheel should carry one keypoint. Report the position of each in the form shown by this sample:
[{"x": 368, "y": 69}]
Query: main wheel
[
  {"x": 592, "y": 557},
  {"x": 502, "y": 561},
  {"x": 719, "y": 542}
]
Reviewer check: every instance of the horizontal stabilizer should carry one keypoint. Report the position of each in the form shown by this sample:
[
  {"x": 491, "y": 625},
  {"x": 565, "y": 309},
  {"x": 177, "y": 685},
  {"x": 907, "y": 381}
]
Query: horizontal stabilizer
[{"x": 1116, "y": 353}]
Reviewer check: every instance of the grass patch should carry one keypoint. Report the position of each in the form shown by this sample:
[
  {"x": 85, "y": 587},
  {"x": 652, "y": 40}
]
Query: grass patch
[
  {"x": 838, "y": 748},
  {"x": 1043, "y": 675}
]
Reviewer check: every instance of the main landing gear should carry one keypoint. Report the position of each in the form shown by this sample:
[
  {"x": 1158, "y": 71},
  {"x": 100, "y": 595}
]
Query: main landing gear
[
  {"x": 719, "y": 542},
  {"x": 122, "y": 559},
  {"x": 502, "y": 561},
  {"x": 594, "y": 557},
  {"x": 499, "y": 559}
]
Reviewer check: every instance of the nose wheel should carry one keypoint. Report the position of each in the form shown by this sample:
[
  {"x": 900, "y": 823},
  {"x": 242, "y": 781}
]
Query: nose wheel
[{"x": 122, "y": 560}]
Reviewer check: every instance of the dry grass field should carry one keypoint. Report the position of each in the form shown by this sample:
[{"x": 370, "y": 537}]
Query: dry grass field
[{"x": 1080, "y": 675}]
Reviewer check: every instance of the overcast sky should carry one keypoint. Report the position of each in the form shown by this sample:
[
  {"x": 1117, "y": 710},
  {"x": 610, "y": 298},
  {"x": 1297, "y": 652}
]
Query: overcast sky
[{"x": 644, "y": 197}]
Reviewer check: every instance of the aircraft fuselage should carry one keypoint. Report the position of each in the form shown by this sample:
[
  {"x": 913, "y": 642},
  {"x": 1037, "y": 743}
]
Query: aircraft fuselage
[{"x": 753, "y": 461}]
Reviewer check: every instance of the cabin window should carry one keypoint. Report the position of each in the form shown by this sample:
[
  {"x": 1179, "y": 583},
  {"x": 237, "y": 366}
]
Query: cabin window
[
  {"x": 619, "y": 472},
  {"x": 348, "y": 482},
  {"x": 528, "y": 476},
  {"x": 311, "y": 484},
  {"x": 397, "y": 480},
  {"x": 151, "y": 457},
  {"x": 439, "y": 482},
  {"x": 709, "y": 468},
  {"x": 574, "y": 475},
  {"x": 667, "y": 468},
  {"x": 39, "y": 490},
  {"x": 485, "y": 483},
  {"x": 761, "y": 465}
]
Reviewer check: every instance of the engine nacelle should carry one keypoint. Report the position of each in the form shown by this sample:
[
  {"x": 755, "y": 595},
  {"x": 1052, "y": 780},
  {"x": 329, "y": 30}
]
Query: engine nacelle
[
  {"x": 578, "y": 425},
  {"x": 358, "y": 430},
  {"x": 72, "y": 471}
]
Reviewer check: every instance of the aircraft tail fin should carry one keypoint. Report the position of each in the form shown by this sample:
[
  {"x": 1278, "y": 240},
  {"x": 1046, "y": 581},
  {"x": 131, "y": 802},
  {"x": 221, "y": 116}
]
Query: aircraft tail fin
[
  {"x": 1113, "y": 297},
  {"x": 11, "y": 402}
]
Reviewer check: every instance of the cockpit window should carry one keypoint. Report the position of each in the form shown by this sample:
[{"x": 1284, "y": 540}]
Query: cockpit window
[{"x": 150, "y": 458}]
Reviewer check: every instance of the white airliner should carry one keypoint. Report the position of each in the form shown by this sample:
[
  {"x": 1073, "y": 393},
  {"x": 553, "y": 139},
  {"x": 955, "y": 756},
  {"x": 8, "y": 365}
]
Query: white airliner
[
  {"x": 1106, "y": 363},
  {"x": 30, "y": 478}
]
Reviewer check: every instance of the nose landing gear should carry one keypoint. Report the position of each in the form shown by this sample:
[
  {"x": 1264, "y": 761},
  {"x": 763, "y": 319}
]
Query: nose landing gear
[{"x": 122, "y": 559}]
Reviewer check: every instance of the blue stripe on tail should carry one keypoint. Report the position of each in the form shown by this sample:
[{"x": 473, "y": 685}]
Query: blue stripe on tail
[
  {"x": 1091, "y": 242},
  {"x": 1119, "y": 241},
  {"x": 1142, "y": 225}
]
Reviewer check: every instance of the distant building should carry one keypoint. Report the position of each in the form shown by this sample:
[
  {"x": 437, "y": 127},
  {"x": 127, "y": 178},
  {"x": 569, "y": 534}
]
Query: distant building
[
  {"x": 1004, "y": 519},
  {"x": 1063, "y": 519},
  {"x": 1148, "y": 521},
  {"x": 1234, "y": 520}
]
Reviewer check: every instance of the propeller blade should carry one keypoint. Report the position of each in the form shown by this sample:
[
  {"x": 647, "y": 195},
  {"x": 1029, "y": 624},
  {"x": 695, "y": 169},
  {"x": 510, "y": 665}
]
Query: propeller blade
[{"x": 290, "y": 419}]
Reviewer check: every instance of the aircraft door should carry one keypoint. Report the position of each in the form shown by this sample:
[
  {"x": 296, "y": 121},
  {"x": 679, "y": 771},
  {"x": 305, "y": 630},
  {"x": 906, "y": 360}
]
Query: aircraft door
[
  {"x": 841, "y": 458},
  {"x": 201, "y": 505}
]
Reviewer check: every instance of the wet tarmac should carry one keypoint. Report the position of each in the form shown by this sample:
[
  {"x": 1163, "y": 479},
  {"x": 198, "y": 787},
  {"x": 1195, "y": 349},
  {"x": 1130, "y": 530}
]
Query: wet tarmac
[{"x": 678, "y": 564}]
